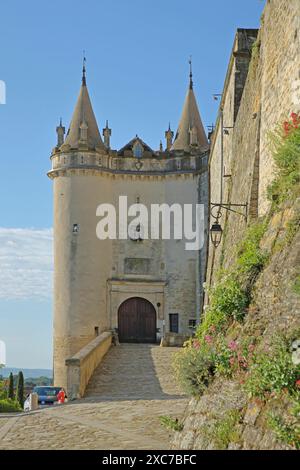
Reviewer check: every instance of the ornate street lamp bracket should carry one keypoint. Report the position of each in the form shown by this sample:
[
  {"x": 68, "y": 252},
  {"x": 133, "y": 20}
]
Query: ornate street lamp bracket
[{"x": 228, "y": 207}]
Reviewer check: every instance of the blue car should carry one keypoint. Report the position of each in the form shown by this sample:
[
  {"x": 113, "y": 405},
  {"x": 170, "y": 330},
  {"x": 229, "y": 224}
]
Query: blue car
[{"x": 47, "y": 395}]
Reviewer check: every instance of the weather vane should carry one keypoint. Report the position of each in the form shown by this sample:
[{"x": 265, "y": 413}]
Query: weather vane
[
  {"x": 84, "y": 69},
  {"x": 191, "y": 72}
]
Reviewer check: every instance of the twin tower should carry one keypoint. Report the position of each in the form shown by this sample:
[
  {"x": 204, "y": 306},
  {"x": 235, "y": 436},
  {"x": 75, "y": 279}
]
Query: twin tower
[{"x": 146, "y": 289}]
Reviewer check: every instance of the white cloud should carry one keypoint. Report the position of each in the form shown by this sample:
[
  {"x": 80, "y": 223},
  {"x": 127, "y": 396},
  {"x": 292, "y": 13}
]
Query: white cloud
[{"x": 26, "y": 263}]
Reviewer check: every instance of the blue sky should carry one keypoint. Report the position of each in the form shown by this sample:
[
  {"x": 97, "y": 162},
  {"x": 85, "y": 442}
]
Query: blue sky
[{"x": 137, "y": 70}]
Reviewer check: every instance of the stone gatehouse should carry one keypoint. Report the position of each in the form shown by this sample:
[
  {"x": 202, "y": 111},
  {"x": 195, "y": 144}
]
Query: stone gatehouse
[{"x": 146, "y": 289}]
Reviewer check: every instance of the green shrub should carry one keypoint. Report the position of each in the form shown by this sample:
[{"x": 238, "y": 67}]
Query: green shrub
[
  {"x": 7, "y": 406},
  {"x": 213, "y": 319},
  {"x": 3, "y": 391},
  {"x": 286, "y": 154},
  {"x": 171, "y": 423},
  {"x": 229, "y": 299},
  {"x": 224, "y": 431},
  {"x": 273, "y": 371},
  {"x": 289, "y": 433},
  {"x": 231, "y": 296},
  {"x": 223, "y": 360},
  {"x": 195, "y": 369},
  {"x": 293, "y": 227},
  {"x": 251, "y": 259}
]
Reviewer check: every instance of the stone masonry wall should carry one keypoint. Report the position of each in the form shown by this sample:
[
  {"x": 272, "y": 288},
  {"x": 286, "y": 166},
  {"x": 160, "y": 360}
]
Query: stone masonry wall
[
  {"x": 234, "y": 140},
  {"x": 270, "y": 94},
  {"x": 275, "y": 309},
  {"x": 280, "y": 81}
]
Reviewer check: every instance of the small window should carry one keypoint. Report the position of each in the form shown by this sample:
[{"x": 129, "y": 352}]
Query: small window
[
  {"x": 96, "y": 330},
  {"x": 137, "y": 150},
  {"x": 75, "y": 228},
  {"x": 192, "y": 324},
  {"x": 174, "y": 322}
]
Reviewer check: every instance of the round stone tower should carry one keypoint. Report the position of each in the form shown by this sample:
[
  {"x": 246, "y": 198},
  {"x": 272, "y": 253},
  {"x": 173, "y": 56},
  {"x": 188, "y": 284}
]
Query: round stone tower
[{"x": 79, "y": 267}]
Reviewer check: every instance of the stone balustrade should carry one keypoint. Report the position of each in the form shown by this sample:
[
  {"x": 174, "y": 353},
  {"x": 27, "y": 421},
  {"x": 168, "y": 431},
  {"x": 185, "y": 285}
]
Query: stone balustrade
[
  {"x": 83, "y": 364},
  {"x": 179, "y": 163}
]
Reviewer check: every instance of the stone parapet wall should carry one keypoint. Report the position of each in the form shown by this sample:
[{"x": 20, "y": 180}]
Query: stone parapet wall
[
  {"x": 64, "y": 347},
  {"x": 82, "y": 365}
]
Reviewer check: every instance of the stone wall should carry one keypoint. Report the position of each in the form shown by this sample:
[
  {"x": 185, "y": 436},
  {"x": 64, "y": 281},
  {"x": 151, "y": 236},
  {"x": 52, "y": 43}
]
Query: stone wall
[
  {"x": 275, "y": 309},
  {"x": 280, "y": 80},
  {"x": 271, "y": 91},
  {"x": 82, "y": 365}
]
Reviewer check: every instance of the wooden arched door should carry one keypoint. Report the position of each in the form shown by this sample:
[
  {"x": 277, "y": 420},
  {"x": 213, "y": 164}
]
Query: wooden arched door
[{"x": 137, "y": 321}]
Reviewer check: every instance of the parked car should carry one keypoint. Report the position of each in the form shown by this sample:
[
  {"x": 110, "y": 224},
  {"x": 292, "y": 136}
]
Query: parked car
[{"x": 47, "y": 395}]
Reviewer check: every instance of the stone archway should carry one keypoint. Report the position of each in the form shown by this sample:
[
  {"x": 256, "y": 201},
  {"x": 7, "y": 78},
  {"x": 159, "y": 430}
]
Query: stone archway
[{"x": 137, "y": 321}]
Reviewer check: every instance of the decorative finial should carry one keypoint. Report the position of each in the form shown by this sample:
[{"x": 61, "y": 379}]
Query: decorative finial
[
  {"x": 60, "y": 130},
  {"x": 169, "y": 134},
  {"x": 191, "y": 73},
  {"x": 84, "y": 70},
  {"x": 106, "y": 134}
]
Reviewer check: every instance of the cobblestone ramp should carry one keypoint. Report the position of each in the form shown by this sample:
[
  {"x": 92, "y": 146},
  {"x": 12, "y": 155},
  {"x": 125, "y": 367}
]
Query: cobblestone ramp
[{"x": 125, "y": 397}]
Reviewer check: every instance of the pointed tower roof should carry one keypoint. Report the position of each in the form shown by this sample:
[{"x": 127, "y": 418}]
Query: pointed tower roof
[
  {"x": 84, "y": 115},
  {"x": 190, "y": 131}
]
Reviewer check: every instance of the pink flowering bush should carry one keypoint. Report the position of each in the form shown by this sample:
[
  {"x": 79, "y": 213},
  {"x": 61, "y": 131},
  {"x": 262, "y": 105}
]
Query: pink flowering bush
[
  {"x": 286, "y": 154},
  {"x": 233, "y": 357}
]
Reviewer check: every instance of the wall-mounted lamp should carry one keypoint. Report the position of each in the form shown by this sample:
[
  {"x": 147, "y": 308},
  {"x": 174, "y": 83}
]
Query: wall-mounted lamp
[{"x": 216, "y": 231}]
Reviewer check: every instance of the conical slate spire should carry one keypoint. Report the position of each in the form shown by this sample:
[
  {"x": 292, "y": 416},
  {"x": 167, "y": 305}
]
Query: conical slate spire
[
  {"x": 84, "y": 116},
  {"x": 190, "y": 133}
]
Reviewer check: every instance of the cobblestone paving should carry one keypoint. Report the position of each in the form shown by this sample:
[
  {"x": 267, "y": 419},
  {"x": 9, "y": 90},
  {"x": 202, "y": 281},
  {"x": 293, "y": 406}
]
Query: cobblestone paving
[{"x": 128, "y": 392}]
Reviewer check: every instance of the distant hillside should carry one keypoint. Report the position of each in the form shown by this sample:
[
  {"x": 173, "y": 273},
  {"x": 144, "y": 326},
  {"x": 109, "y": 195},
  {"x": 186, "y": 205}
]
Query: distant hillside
[{"x": 32, "y": 373}]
